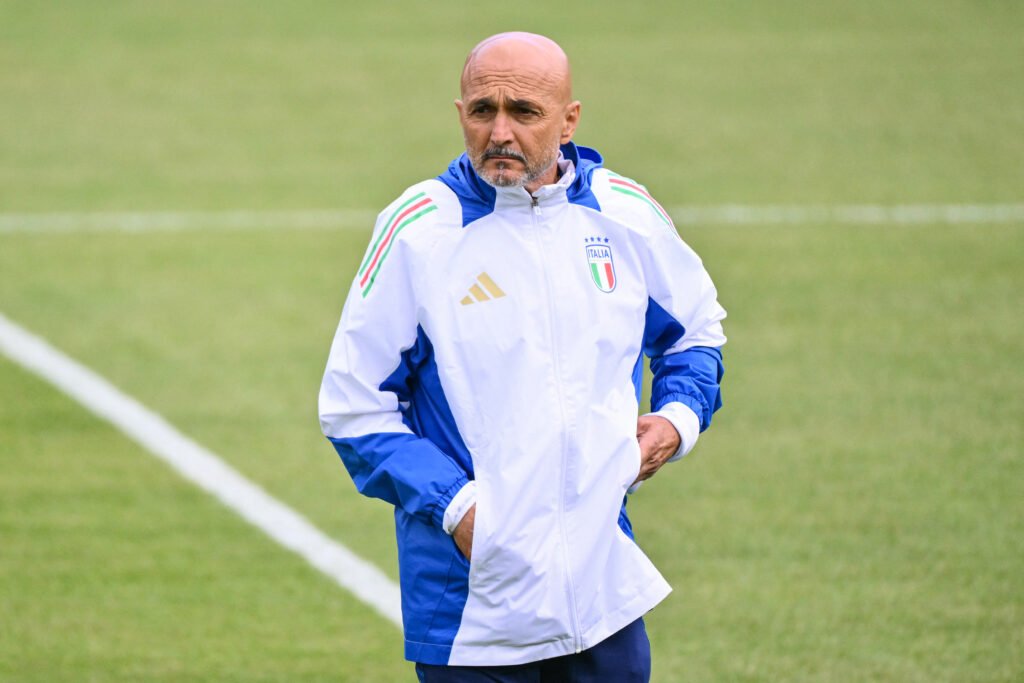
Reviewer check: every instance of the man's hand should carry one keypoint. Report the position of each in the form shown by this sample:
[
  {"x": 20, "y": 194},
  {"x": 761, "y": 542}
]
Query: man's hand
[
  {"x": 658, "y": 440},
  {"x": 464, "y": 533}
]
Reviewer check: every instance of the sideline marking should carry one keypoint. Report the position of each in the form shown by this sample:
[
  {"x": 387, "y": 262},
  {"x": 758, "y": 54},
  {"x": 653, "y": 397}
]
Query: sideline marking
[
  {"x": 203, "y": 468},
  {"x": 849, "y": 214},
  {"x": 363, "y": 220},
  {"x": 172, "y": 221}
]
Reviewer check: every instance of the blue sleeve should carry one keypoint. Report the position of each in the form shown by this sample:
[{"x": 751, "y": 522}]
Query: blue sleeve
[
  {"x": 405, "y": 470},
  {"x": 692, "y": 376},
  {"x": 376, "y": 366},
  {"x": 420, "y": 472}
]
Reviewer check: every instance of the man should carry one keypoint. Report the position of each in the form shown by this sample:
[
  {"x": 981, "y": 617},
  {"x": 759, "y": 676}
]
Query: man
[{"x": 485, "y": 380}]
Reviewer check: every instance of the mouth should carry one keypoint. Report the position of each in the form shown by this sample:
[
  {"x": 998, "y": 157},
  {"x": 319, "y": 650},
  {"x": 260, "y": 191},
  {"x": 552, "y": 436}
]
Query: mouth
[{"x": 504, "y": 155}]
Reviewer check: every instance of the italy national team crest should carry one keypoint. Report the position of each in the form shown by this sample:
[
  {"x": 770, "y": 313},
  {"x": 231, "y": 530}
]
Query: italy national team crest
[{"x": 602, "y": 267}]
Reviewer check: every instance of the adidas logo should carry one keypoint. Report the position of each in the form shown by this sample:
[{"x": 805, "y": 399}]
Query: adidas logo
[{"x": 484, "y": 289}]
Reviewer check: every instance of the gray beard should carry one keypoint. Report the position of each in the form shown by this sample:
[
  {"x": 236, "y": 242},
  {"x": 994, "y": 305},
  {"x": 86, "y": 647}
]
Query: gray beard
[{"x": 499, "y": 179}]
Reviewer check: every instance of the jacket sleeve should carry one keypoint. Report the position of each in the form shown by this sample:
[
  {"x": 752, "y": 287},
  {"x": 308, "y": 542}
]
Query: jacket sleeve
[
  {"x": 363, "y": 420},
  {"x": 683, "y": 330}
]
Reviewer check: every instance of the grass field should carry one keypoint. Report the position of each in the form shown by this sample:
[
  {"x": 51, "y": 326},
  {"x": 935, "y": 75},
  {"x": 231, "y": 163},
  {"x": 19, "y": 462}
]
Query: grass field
[{"x": 857, "y": 511}]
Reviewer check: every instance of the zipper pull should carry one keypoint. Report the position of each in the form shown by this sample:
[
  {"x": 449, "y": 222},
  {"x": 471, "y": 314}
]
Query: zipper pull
[{"x": 536, "y": 205}]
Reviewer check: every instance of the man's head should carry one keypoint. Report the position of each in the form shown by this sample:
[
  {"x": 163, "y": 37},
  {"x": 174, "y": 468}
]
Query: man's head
[{"x": 517, "y": 109}]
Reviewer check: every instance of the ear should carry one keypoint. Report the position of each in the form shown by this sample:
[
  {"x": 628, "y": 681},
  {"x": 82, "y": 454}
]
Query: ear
[
  {"x": 572, "y": 119},
  {"x": 460, "y": 106}
]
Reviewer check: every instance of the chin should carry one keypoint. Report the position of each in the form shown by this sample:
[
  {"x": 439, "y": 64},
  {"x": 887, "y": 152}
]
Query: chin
[{"x": 503, "y": 178}]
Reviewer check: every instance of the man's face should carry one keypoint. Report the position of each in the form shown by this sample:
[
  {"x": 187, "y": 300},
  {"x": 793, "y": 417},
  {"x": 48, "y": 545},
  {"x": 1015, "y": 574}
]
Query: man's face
[{"x": 514, "y": 117}]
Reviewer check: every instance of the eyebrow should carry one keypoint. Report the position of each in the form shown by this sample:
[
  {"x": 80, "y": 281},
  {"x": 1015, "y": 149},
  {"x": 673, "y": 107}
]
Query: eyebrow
[
  {"x": 512, "y": 104},
  {"x": 523, "y": 104}
]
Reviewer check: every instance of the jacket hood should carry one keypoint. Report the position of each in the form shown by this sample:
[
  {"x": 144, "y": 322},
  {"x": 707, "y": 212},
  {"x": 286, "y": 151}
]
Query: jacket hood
[{"x": 477, "y": 197}]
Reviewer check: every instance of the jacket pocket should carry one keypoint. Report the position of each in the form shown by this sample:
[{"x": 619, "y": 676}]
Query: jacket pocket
[{"x": 636, "y": 460}]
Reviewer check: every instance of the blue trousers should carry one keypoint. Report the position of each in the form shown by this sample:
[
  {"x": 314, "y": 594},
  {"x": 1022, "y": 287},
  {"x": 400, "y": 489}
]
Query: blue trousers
[{"x": 624, "y": 657}]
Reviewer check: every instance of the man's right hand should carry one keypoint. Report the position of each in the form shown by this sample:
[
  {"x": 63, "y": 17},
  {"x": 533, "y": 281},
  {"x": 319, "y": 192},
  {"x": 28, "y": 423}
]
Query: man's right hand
[{"x": 464, "y": 533}]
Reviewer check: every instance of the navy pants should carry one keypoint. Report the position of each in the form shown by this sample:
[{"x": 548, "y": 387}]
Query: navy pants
[{"x": 624, "y": 657}]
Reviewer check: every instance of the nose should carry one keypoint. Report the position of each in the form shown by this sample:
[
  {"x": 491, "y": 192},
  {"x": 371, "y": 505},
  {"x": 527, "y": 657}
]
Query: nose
[{"x": 501, "y": 131}]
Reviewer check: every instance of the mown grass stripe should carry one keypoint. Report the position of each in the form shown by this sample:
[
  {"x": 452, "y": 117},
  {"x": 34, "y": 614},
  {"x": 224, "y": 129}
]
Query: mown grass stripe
[{"x": 391, "y": 243}]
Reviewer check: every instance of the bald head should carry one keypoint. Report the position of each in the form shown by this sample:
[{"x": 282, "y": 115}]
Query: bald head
[{"x": 530, "y": 59}]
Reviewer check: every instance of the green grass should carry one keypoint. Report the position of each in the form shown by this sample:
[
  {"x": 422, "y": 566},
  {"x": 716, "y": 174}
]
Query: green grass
[
  {"x": 114, "y": 569},
  {"x": 856, "y": 511},
  {"x": 307, "y": 103}
]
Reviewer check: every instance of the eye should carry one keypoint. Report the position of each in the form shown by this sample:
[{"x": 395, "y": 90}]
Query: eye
[{"x": 526, "y": 112}]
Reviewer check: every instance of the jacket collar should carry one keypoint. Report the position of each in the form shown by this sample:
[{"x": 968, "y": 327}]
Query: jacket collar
[{"x": 477, "y": 197}]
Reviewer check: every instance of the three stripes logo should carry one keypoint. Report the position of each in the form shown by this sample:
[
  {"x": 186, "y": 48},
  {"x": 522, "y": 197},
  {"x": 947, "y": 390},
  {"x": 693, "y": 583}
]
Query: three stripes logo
[
  {"x": 412, "y": 210},
  {"x": 484, "y": 289}
]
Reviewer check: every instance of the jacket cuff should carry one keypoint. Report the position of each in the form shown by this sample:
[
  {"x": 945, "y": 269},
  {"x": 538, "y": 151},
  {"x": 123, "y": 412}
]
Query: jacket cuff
[
  {"x": 439, "y": 508},
  {"x": 687, "y": 424},
  {"x": 700, "y": 407},
  {"x": 458, "y": 507}
]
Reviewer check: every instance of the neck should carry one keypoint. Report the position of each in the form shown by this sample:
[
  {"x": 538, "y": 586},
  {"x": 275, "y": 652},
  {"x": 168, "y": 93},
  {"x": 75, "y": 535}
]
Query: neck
[{"x": 550, "y": 176}]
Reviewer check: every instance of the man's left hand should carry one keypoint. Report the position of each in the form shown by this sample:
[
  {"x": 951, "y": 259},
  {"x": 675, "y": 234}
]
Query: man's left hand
[{"x": 658, "y": 440}]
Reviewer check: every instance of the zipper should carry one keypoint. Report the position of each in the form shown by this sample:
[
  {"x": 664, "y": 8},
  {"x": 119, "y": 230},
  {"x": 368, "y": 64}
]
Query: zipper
[{"x": 571, "y": 590}]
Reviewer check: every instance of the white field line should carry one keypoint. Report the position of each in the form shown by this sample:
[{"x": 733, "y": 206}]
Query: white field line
[
  {"x": 362, "y": 220},
  {"x": 849, "y": 214},
  {"x": 203, "y": 468},
  {"x": 170, "y": 221}
]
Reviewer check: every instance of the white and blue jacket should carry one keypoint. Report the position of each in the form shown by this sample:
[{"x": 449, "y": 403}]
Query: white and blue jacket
[{"x": 495, "y": 337}]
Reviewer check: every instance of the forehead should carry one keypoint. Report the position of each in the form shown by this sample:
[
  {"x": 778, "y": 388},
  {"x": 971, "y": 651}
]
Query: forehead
[{"x": 503, "y": 79}]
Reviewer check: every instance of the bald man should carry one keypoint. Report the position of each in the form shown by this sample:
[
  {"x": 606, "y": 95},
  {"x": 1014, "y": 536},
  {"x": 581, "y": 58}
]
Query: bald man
[{"x": 485, "y": 380}]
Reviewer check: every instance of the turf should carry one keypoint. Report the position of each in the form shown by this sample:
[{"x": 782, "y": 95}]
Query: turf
[
  {"x": 114, "y": 569},
  {"x": 856, "y": 511}
]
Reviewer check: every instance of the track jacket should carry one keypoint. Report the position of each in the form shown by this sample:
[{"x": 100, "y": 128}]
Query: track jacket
[{"x": 495, "y": 337}]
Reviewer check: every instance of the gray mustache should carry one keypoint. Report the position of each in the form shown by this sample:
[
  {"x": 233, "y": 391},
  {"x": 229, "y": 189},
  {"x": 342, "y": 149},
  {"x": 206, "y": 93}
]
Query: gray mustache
[{"x": 503, "y": 152}]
